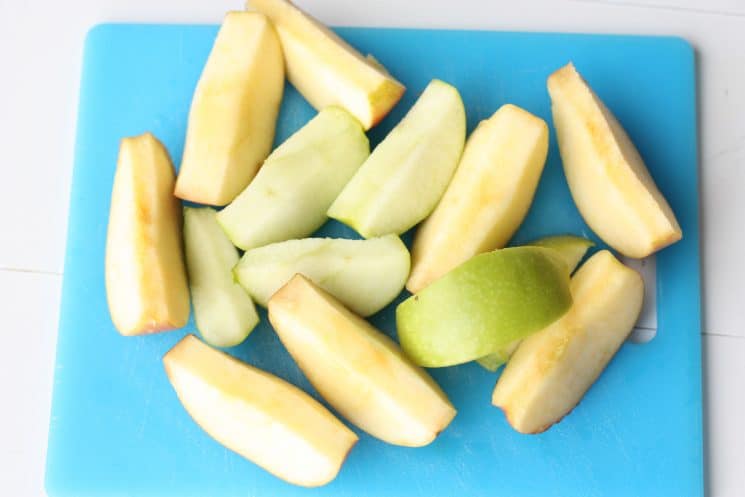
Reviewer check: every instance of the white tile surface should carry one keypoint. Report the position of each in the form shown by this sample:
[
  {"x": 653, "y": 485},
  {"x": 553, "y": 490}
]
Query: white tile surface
[{"x": 40, "y": 46}]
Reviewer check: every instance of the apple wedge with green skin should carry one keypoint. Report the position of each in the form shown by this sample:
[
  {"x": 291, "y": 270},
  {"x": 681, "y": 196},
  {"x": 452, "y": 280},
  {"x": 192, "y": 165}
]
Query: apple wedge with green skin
[
  {"x": 223, "y": 311},
  {"x": 609, "y": 182},
  {"x": 234, "y": 111},
  {"x": 483, "y": 305},
  {"x": 326, "y": 70},
  {"x": 571, "y": 249},
  {"x": 403, "y": 179},
  {"x": 488, "y": 198},
  {"x": 365, "y": 275},
  {"x": 298, "y": 182},
  {"x": 358, "y": 370},
  {"x": 261, "y": 417},
  {"x": 146, "y": 283},
  {"x": 551, "y": 370}
]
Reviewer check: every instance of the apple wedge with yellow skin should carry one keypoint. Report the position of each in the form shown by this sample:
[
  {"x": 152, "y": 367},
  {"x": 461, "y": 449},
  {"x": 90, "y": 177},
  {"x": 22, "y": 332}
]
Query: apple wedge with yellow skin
[
  {"x": 403, "y": 179},
  {"x": 360, "y": 371},
  {"x": 146, "y": 282},
  {"x": 551, "y": 370},
  {"x": 298, "y": 182},
  {"x": 258, "y": 415},
  {"x": 488, "y": 197},
  {"x": 234, "y": 111},
  {"x": 571, "y": 250},
  {"x": 326, "y": 70},
  {"x": 609, "y": 182}
]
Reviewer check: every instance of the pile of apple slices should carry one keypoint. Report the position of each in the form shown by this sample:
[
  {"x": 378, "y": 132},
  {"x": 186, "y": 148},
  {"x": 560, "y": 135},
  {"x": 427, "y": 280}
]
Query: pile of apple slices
[{"x": 473, "y": 299}]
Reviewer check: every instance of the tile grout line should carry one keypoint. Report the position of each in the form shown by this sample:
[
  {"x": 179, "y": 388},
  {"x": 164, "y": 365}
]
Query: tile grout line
[
  {"x": 690, "y": 10},
  {"x": 30, "y": 271}
]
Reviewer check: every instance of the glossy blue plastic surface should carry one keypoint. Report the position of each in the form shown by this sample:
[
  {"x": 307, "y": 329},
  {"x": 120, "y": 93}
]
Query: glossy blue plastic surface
[{"x": 117, "y": 428}]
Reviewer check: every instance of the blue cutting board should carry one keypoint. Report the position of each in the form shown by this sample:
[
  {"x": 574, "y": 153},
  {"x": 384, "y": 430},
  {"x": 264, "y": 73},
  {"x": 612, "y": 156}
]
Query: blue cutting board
[{"x": 117, "y": 428}]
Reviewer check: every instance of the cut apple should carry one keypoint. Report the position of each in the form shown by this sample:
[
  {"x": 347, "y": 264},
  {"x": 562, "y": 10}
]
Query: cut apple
[
  {"x": 360, "y": 371},
  {"x": 488, "y": 198},
  {"x": 407, "y": 173},
  {"x": 365, "y": 275},
  {"x": 552, "y": 369},
  {"x": 298, "y": 182},
  {"x": 261, "y": 417},
  {"x": 494, "y": 361},
  {"x": 609, "y": 182},
  {"x": 234, "y": 111},
  {"x": 483, "y": 305},
  {"x": 145, "y": 275},
  {"x": 223, "y": 311},
  {"x": 326, "y": 70}
]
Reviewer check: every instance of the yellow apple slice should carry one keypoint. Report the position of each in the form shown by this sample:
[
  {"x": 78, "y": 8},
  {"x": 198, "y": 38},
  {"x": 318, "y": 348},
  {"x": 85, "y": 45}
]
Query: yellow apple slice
[
  {"x": 234, "y": 111},
  {"x": 552, "y": 369},
  {"x": 488, "y": 197},
  {"x": 360, "y": 371},
  {"x": 326, "y": 70},
  {"x": 609, "y": 182},
  {"x": 261, "y": 417},
  {"x": 145, "y": 274}
]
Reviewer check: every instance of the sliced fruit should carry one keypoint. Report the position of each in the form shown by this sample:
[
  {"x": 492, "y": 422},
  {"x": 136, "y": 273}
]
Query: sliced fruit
[
  {"x": 360, "y": 371},
  {"x": 407, "y": 173},
  {"x": 483, "y": 305},
  {"x": 365, "y": 275},
  {"x": 145, "y": 275},
  {"x": 488, "y": 198},
  {"x": 234, "y": 111},
  {"x": 261, "y": 417},
  {"x": 298, "y": 182},
  {"x": 609, "y": 182},
  {"x": 571, "y": 249},
  {"x": 326, "y": 70},
  {"x": 223, "y": 311},
  {"x": 552, "y": 369}
]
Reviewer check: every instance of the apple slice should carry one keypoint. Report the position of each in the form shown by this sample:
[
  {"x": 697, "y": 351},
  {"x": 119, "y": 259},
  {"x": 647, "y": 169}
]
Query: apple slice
[
  {"x": 326, "y": 70},
  {"x": 365, "y": 275},
  {"x": 145, "y": 275},
  {"x": 224, "y": 312},
  {"x": 484, "y": 305},
  {"x": 298, "y": 182},
  {"x": 234, "y": 111},
  {"x": 488, "y": 198},
  {"x": 571, "y": 249},
  {"x": 407, "y": 173},
  {"x": 360, "y": 371},
  {"x": 551, "y": 370},
  {"x": 261, "y": 417},
  {"x": 609, "y": 182}
]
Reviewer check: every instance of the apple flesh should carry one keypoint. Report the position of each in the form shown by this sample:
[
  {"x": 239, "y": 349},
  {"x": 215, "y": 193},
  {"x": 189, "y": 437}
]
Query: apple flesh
[
  {"x": 326, "y": 70},
  {"x": 261, "y": 417},
  {"x": 571, "y": 250},
  {"x": 298, "y": 182},
  {"x": 145, "y": 275},
  {"x": 360, "y": 371},
  {"x": 488, "y": 198},
  {"x": 223, "y": 311},
  {"x": 365, "y": 275},
  {"x": 483, "y": 305},
  {"x": 403, "y": 179},
  {"x": 552, "y": 369},
  {"x": 609, "y": 182},
  {"x": 234, "y": 111}
]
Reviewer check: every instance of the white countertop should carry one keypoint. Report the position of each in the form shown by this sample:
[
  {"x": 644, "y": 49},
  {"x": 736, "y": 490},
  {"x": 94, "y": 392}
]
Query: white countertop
[{"x": 41, "y": 47}]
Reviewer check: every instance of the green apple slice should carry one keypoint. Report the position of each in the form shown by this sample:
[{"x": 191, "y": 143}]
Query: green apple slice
[
  {"x": 289, "y": 196},
  {"x": 483, "y": 305},
  {"x": 360, "y": 371},
  {"x": 365, "y": 275},
  {"x": 571, "y": 249},
  {"x": 407, "y": 173},
  {"x": 223, "y": 311}
]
